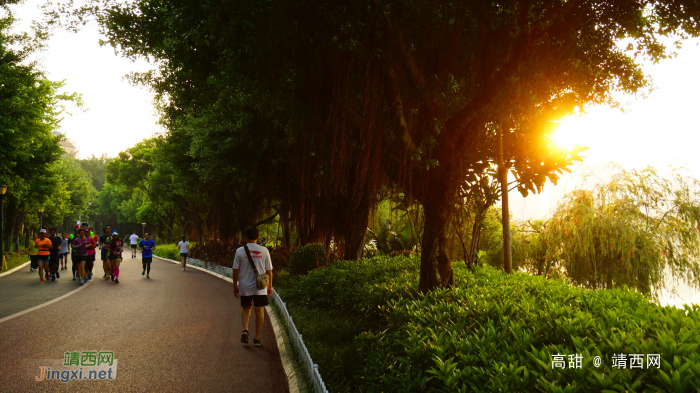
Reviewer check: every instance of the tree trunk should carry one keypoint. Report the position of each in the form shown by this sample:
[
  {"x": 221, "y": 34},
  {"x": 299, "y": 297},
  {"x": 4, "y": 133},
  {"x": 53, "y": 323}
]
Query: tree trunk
[
  {"x": 26, "y": 236},
  {"x": 505, "y": 215},
  {"x": 436, "y": 268}
]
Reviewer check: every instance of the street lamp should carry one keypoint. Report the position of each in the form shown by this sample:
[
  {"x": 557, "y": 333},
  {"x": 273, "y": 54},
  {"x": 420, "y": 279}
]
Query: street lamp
[
  {"x": 143, "y": 224},
  {"x": 3, "y": 190},
  {"x": 41, "y": 218}
]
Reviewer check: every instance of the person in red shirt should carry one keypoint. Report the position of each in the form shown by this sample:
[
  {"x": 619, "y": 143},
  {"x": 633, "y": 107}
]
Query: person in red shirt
[
  {"x": 81, "y": 245},
  {"x": 90, "y": 262},
  {"x": 43, "y": 245}
]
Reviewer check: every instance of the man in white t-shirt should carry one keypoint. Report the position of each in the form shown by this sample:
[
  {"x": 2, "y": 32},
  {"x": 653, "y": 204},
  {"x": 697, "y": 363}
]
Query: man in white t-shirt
[
  {"x": 244, "y": 283},
  {"x": 134, "y": 239}
]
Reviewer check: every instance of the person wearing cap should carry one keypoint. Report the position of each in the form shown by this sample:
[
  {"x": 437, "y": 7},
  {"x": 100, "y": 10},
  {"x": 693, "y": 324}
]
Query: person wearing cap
[
  {"x": 104, "y": 242},
  {"x": 56, "y": 244},
  {"x": 73, "y": 259},
  {"x": 43, "y": 246},
  {"x": 115, "y": 248}
]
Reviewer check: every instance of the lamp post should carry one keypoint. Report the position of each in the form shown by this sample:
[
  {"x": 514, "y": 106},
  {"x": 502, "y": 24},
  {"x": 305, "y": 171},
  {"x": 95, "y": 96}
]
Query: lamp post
[
  {"x": 41, "y": 218},
  {"x": 3, "y": 190},
  {"x": 143, "y": 234}
]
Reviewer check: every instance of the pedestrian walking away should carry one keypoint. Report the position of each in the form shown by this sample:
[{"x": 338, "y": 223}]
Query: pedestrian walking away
[
  {"x": 250, "y": 261},
  {"x": 54, "y": 262},
  {"x": 63, "y": 254},
  {"x": 73, "y": 256},
  {"x": 80, "y": 247},
  {"x": 104, "y": 239},
  {"x": 184, "y": 251},
  {"x": 133, "y": 241},
  {"x": 90, "y": 261},
  {"x": 43, "y": 246},
  {"x": 115, "y": 248},
  {"x": 147, "y": 245}
]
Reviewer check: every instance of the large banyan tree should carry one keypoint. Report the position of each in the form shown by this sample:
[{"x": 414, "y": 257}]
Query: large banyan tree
[{"x": 412, "y": 94}]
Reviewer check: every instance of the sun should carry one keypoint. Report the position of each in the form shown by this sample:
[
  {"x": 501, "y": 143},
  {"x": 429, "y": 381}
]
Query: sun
[{"x": 568, "y": 134}]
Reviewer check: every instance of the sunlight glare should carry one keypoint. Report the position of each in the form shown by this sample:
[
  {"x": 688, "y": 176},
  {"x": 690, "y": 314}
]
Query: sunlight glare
[{"x": 569, "y": 134}]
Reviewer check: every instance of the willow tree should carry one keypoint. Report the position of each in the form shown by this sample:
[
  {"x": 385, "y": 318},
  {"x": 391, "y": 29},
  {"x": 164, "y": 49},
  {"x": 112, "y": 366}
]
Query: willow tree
[{"x": 633, "y": 231}]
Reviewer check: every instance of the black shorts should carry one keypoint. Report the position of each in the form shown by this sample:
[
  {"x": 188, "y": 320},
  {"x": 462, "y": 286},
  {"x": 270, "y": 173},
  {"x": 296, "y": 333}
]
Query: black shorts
[
  {"x": 80, "y": 258},
  {"x": 104, "y": 255},
  {"x": 257, "y": 300},
  {"x": 90, "y": 258},
  {"x": 63, "y": 254},
  {"x": 115, "y": 257},
  {"x": 133, "y": 246},
  {"x": 147, "y": 259},
  {"x": 53, "y": 260}
]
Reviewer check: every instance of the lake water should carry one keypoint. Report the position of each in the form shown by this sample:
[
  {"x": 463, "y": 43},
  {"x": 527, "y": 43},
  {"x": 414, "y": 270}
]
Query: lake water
[{"x": 684, "y": 294}]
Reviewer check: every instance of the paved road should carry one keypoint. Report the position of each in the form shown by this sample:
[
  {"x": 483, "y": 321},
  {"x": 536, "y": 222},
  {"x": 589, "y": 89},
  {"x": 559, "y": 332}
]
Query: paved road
[
  {"x": 25, "y": 282},
  {"x": 176, "y": 332}
]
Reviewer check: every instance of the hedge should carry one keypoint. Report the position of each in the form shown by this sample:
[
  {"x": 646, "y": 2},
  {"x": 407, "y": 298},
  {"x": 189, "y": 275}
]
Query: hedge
[{"x": 495, "y": 332}]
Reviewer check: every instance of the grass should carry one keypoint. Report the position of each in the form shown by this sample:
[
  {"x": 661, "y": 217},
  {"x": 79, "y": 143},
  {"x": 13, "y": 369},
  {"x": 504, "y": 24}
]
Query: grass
[{"x": 15, "y": 261}]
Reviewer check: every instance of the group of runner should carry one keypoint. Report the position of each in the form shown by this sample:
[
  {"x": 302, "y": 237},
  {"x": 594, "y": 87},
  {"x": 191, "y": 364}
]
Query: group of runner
[{"x": 52, "y": 253}]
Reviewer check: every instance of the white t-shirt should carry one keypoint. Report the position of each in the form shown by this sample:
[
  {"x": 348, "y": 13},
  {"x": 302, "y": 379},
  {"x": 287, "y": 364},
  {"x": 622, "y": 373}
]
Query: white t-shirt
[
  {"x": 134, "y": 238},
  {"x": 183, "y": 247},
  {"x": 246, "y": 275}
]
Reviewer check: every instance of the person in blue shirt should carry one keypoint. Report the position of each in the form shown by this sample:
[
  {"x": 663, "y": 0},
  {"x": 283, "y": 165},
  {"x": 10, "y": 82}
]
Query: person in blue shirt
[{"x": 147, "y": 245}]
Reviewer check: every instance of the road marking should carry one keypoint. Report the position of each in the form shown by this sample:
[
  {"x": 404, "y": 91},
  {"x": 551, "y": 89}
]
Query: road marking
[
  {"x": 44, "y": 304},
  {"x": 14, "y": 269}
]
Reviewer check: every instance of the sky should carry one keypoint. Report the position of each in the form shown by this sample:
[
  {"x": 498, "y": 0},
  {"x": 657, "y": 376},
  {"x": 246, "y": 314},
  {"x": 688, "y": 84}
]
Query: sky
[
  {"x": 115, "y": 108},
  {"x": 661, "y": 130}
]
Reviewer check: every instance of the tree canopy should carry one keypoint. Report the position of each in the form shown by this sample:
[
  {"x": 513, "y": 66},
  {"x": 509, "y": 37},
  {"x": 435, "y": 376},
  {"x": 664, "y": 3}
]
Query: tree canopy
[
  {"x": 310, "y": 109},
  {"x": 31, "y": 165}
]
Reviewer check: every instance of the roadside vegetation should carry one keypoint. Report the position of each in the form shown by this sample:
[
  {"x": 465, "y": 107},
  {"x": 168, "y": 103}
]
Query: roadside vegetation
[{"x": 370, "y": 329}]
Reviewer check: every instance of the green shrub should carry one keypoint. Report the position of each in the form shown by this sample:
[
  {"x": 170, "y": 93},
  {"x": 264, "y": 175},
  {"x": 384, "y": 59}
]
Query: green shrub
[
  {"x": 307, "y": 258},
  {"x": 369, "y": 330},
  {"x": 332, "y": 305},
  {"x": 498, "y": 332},
  {"x": 169, "y": 251}
]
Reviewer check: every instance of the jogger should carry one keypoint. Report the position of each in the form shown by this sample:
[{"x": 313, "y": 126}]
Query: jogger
[
  {"x": 90, "y": 260},
  {"x": 80, "y": 248},
  {"x": 73, "y": 256},
  {"x": 43, "y": 245},
  {"x": 133, "y": 240},
  {"x": 54, "y": 262},
  {"x": 147, "y": 246},
  {"x": 115, "y": 255},
  {"x": 63, "y": 254},
  {"x": 104, "y": 242}
]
